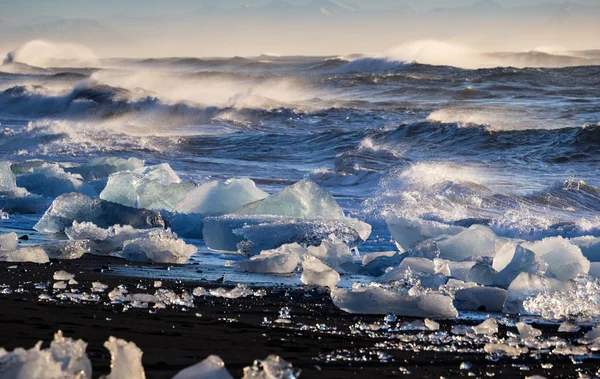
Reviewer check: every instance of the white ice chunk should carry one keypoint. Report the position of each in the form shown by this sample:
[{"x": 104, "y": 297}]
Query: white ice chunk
[
  {"x": 317, "y": 273},
  {"x": 65, "y": 359},
  {"x": 458, "y": 270},
  {"x": 504, "y": 349},
  {"x": 482, "y": 274},
  {"x": 568, "y": 327},
  {"x": 217, "y": 198},
  {"x": 240, "y": 290},
  {"x": 274, "y": 367},
  {"x": 283, "y": 260},
  {"x": 527, "y": 331},
  {"x": 163, "y": 249},
  {"x": 8, "y": 182},
  {"x": 523, "y": 260},
  {"x": 485, "y": 299},
  {"x": 305, "y": 199},
  {"x": 488, "y": 327},
  {"x": 377, "y": 263},
  {"x": 77, "y": 207},
  {"x": 212, "y": 367},
  {"x": 477, "y": 241},
  {"x": 100, "y": 168},
  {"x": 377, "y": 300},
  {"x": 63, "y": 275},
  {"x": 505, "y": 254},
  {"x": 526, "y": 286},
  {"x": 51, "y": 180},
  {"x": 564, "y": 259},
  {"x": 66, "y": 249},
  {"x": 332, "y": 252},
  {"x": 590, "y": 247},
  {"x": 155, "y": 187},
  {"x": 422, "y": 266},
  {"x": 407, "y": 232},
  {"x": 33, "y": 254},
  {"x": 9, "y": 241},
  {"x": 126, "y": 360}
]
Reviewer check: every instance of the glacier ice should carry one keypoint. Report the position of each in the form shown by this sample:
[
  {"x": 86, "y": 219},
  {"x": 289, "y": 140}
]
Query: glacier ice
[
  {"x": 102, "y": 167},
  {"x": 8, "y": 182},
  {"x": 488, "y": 327},
  {"x": 273, "y": 367},
  {"x": 63, "y": 275},
  {"x": 376, "y": 264},
  {"x": 158, "y": 248},
  {"x": 154, "y": 187},
  {"x": 332, "y": 252},
  {"x": 212, "y": 367},
  {"x": 66, "y": 249},
  {"x": 421, "y": 266},
  {"x": 485, "y": 299},
  {"x": 527, "y": 331},
  {"x": 34, "y": 254},
  {"x": 304, "y": 199},
  {"x": 216, "y": 199},
  {"x": 526, "y": 286},
  {"x": 317, "y": 273},
  {"x": 482, "y": 274},
  {"x": 377, "y": 300},
  {"x": 9, "y": 241},
  {"x": 78, "y": 207},
  {"x": 523, "y": 260},
  {"x": 283, "y": 260},
  {"x": 476, "y": 241},
  {"x": 407, "y": 232},
  {"x": 565, "y": 260},
  {"x": 590, "y": 247},
  {"x": 65, "y": 359},
  {"x": 125, "y": 360},
  {"x": 51, "y": 180}
]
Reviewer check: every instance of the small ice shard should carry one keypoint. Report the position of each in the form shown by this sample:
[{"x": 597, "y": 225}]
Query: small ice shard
[
  {"x": 570, "y": 350},
  {"x": 458, "y": 270},
  {"x": 212, "y": 367},
  {"x": 274, "y": 367},
  {"x": 485, "y": 299},
  {"x": 199, "y": 292},
  {"x": 240, "y": 290},
  {"x": 504, "y": 349},
  {"x": 161, "y": 249},
  {"x": 77, "y": 207},
  {"x": 376, "y": 264},
  {"x": 98, "y": 287},
  {"x": 34, "y": 254},
  {"x": 66, "y": 249},
  {"x": 60, "y": 285},
  {"x": 283, "y": 260},
  {"x": 63, "y": 275},
  {"x": 422, "y": 266},
  {"x": 126, "y": 360},
  {"x": 158, "y": 284},
  {"x": 215, "y": 198},
  {"x": 526, "y": 286},
  {"x": 100, "y": 168},
  {"x": 477, "y": 241},
  {"x": 9, "y": 241},
  {"x": 305, "y": 199},
  {"x": 523, "y": 260},
  {"x": 568, "y": 327},
  {"x": 51, "y": 180},
  {"x": 593, "y": 334},
  {"x": 424, "y": 325},
  {"x": 317, "y": 273},
  {"x": 488, "y": 328},
  {"x": 454, "y": 285},
  {"x": 154, "y": 187},
  {"x": 377, "y": 300},
  {"x": 332, "y": 252},
  {"x": 482, "y": 274},
  {"x": 432, "y": 325},
  {"x": 565, "y": 260},
  {"x": 407, "y": 232},
  {"x": 66, "y": 358},
  {"x": 527, "y": 331}
]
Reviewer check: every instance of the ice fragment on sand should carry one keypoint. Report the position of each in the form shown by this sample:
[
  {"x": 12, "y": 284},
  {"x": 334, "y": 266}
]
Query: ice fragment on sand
[
  {"x": 9, "y": 241},
  {"x": 283, "y": 260},
  {"x": 527, "y": 331},
  {"x": 65, "y": 359},
  {"x": 274, "y": 367},
  {"x": 51, "y": 180},
  {"x": 486, "y": 299},
  {"x": 199, "y": 292},
  {"x": 593, "y": 334},
  {"x": 98, "y": 287},
  {"x": 66, "y": 249},
  {"x": 504, "y": 349},
  {"x": 527, "y": 286},
  {"x": 407, "y": 232},
  {"x": 315, "y": 272},
  {"x": 304, "y": 199},
  {"x": 565, "y": 260},
  {"x": 162, "y": 249},
  {"x": 212, "y": 367},
  {"x": 77, "y": 207},
  {"x": 217, "y": 198},
  {"x": 377, "y": 300},
  {"x": 63, "y": 275},
  {"x": 238, "y": 291},
  {"x": 60, "y": 285},
  {"x": 568, "y": 327},
  {"x": 126, "y": 360},
  {"x": 33, "y": 254},
  {"x": 523, "y": 260},
  {"x": 488, "y": 327},
  {"x": 154, "y": 187}
]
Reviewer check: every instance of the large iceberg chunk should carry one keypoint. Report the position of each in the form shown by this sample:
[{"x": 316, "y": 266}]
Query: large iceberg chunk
[
  {"x": 100, "y": 168},
  {"x": 154, "y": 187},
  {"x": 126, "y": 360},
  {"x": 485, "y": 299},
  {"x": 332, "y": 252},
  {"x": 377, "y": 300},
  {"x": 477, "y": 241},
  {"x": 378, "y": 263},
  {"x": 212, "y": 367},
  {"x": 9, "y": 242},
  {"x": 51, "y": 180},
  {"x": 77, "y": 207},
  {"x": 407, "y": 232},
  {"x": 526, "y": 286},
  {"x": 317, "y": 273},
  {"x": 34, "y": 254},
  {"x": 162, "y": 249},
  {"x": 215, "y": 198},
  {"x": 590, "y": 247},
  {"x": 524, "y": 260},
  {"x": 283, "y": 260},
  {"x": 565, "y": 260}
]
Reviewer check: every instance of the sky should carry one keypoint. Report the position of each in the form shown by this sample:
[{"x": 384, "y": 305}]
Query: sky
[{"x": 148, "y": 28}]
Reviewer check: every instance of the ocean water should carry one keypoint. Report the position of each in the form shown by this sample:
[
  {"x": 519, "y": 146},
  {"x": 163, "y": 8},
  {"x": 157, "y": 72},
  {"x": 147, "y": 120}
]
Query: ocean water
[{"x": 513, "y": 148}]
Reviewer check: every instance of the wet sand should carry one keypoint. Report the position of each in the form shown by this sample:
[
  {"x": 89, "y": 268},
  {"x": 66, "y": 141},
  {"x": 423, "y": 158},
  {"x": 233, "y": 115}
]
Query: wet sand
[{"x": 174, "y": 338}]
